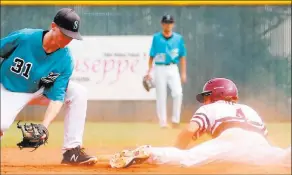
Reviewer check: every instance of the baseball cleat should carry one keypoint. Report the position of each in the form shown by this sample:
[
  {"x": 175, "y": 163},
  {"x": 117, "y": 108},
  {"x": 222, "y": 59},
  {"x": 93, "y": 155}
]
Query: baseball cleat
[
  {"x": 77, "y": 156},
  {"x": 175, "y": 126},
  {"x": 165, "y": 127},
  {"x": 127, "y": 158}
]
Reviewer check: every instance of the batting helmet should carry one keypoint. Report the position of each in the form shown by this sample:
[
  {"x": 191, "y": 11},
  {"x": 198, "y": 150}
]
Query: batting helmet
[{"x": 218, "y": 89}]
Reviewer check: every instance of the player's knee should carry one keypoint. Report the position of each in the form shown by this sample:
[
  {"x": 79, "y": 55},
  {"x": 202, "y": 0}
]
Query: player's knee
[
  {"x": 79, "y": 92},
  {"x": 176, "y": 94}
]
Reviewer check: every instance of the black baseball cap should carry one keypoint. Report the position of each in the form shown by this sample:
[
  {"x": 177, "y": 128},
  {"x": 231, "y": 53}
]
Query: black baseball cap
[
  {"x": 168, "y": 19},
  {"x": 68, "y": 21}
]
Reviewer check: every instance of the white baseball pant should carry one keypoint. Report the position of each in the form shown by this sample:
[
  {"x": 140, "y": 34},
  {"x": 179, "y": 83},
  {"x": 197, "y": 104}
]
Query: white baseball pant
[
  {"x": 76, "y": 105},
  {"x": 233, "y": 145},
  {"x": 168, "y": 75}
]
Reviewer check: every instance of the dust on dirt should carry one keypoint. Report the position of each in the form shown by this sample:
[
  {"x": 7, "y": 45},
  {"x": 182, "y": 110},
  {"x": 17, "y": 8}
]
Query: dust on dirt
[{"x": 47, "y": 161}]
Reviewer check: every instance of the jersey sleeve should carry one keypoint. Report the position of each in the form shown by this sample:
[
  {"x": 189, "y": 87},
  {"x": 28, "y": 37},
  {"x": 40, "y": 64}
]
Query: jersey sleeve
[
  {"x": 202, "y": 119},
  {"x": 9, "y": 43},
  {"x": 183, "y": 51},
  {"x": 152, "y": 49},
  {"x": 58, "y": 91},
  {"x": 254, "y": 119}
]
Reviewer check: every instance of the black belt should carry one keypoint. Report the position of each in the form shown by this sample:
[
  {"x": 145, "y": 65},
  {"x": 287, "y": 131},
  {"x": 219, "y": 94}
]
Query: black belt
[{"x": 168, "y": 64}]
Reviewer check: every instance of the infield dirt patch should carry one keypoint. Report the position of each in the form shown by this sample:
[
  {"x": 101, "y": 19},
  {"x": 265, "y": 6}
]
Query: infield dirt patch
[{"x": 47, "y": 161}]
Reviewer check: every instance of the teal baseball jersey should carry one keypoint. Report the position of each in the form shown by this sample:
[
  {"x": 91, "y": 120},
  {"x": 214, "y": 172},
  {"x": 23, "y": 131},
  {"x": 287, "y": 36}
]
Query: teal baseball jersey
[
  {"x": 25, "y": 64},
  {"x": 167, "y": 50}
]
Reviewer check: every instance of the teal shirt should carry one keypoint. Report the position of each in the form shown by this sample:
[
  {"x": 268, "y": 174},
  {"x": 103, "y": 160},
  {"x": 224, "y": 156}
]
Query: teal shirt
[
  {"x": 166, "y": 51},
  {"x": 24, "y": 63}
]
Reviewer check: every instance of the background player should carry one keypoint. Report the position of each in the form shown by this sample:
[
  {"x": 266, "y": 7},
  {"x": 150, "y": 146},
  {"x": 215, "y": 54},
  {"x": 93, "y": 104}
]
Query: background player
[
  {"x": 37, "y": 62},
  {"x": 239, "y": 135},
  {"x": 167, "y": 50}
]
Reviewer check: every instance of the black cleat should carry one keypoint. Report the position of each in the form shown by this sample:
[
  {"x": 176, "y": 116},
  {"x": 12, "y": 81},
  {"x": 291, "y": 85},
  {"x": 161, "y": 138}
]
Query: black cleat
[{"x": 77, "y": 156}]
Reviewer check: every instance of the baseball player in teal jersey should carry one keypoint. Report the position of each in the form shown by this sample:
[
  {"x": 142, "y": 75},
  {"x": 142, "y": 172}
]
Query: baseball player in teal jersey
[
  {"x": 37, "y": 62},
  {"x": 167, "y": 50}
]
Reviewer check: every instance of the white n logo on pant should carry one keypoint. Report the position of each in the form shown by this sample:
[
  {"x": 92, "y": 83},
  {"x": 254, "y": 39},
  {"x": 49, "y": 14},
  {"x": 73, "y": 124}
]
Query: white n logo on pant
[{"x": 74, "y": 158}]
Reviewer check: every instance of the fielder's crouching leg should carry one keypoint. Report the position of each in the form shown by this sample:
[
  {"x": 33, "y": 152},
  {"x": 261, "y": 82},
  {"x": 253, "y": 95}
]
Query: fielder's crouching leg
[
  {"x": 176, "y": 107},
  {"x": 76, "y": 106}
]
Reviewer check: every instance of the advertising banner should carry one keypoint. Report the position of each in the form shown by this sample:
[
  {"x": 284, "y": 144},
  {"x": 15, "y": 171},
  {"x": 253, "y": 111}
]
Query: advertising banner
[{"x": 112, "y": 67}]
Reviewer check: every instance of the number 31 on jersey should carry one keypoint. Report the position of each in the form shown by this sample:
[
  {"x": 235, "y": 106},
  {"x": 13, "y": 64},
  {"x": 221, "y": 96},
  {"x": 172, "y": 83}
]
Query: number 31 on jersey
[{"x": 21, "y": 67}]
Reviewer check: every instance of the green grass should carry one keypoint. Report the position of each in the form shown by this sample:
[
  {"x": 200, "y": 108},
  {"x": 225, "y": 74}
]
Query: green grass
[{"x": 110, "y": 135}]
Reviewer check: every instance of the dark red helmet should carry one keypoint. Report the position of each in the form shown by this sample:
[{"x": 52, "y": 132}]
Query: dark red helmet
[{"x": 218, "y": 89}]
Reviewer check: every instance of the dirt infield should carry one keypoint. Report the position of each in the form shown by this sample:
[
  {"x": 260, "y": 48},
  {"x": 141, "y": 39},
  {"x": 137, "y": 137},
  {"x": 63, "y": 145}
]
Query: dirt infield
[
  {"x": 118, "y": 136},
  {"x": 47, "y": 161}
]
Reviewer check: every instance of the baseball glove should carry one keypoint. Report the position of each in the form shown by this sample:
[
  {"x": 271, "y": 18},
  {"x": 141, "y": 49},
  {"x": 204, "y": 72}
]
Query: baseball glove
[
  {"x": 148, "y": 83},
  {"x": 34, "y": 135}
]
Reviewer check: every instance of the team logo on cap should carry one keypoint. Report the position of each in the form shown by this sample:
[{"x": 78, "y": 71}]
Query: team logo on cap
[{"x": 76, "y": 23}]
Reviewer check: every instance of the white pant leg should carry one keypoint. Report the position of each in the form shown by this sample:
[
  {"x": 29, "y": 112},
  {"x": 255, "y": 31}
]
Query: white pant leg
[
  {"x": 239, "y": 146},
  {"x": 234, "y": 145},
  {"x": 269, "y": 155},
  {"x": 161, "y": 94},
  {"x": 12, "y": 103},
  {"x": 287, "y": 156},
  {"x": 204, "y": 153},
  {"x": 76, "y": 107},
  {"x": 252, "y": 148},
  {"x": 174, "y": 82},
  {"x": 167, "y": 155}
]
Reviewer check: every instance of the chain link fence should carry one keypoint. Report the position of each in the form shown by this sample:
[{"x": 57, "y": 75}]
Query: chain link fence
[{"x": 250, "y": 45}]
